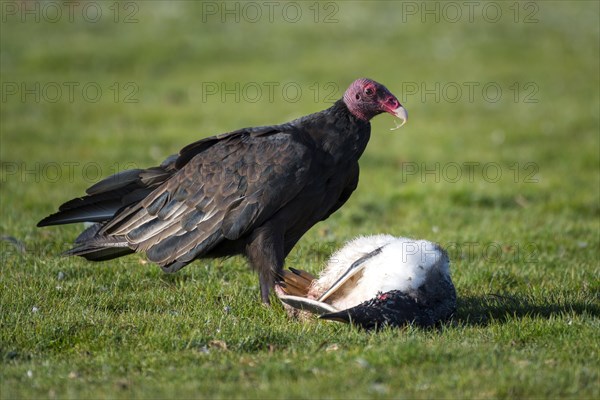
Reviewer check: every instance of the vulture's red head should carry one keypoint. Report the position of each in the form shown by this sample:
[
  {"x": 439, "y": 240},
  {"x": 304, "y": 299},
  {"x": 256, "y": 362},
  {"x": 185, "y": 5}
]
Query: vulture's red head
[{"x": 366, "y": 98}]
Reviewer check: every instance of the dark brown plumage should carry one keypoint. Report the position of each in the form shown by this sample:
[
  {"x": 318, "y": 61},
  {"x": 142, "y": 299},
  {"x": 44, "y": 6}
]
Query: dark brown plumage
[{"x": 254, "y": 191}]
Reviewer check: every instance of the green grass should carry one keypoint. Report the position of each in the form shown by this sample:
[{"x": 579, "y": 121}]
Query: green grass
[{"x": 524, "y": 246}]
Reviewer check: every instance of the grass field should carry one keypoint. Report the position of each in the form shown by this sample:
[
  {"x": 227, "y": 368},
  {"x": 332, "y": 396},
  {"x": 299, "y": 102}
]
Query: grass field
[{"x": 499, "y": 163}]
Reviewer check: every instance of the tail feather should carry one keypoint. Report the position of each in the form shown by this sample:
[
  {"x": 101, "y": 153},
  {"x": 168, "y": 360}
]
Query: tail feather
[
  {"x": 97, "y": 253},
  {"x": 88, "y": 234},
  {"x": 101, "y": 203},
  {"x": 107, "y": 197},
  {"x": 95, "y": 208},
  {"x": 98, "y": 248}
]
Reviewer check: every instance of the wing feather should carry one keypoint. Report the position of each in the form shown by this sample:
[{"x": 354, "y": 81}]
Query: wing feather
[{"x": 217, "y": 195}]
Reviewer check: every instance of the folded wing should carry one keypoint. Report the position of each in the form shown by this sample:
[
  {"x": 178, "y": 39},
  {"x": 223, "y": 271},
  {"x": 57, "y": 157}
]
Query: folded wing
[{"x": 215, "y": 195}]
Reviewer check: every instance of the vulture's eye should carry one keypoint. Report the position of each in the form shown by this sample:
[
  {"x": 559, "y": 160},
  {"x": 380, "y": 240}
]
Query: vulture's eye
[{"x": 368, "y": 91}]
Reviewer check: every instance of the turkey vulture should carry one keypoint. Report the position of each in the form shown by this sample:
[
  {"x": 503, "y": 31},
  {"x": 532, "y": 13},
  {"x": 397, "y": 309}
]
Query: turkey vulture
[
  {"x": 376, "y": 281},
  {"x": 254, "y": 191}
]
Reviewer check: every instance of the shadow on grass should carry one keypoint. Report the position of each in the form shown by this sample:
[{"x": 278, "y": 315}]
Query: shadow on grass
[{"x": 483, "y": 310}]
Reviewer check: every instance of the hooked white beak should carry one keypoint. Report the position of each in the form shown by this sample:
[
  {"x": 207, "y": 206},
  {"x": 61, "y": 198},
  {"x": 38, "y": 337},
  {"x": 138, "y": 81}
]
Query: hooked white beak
[{"x": 401, "y": 113}]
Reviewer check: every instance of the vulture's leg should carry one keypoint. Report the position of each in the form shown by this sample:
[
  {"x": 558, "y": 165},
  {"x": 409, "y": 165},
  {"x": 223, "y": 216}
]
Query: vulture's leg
[{"x": 265, "y": 252}]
